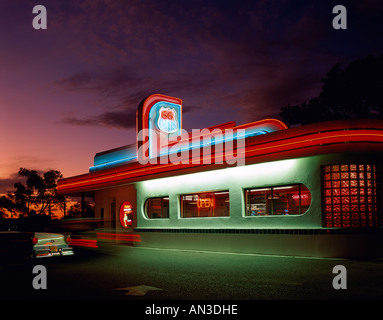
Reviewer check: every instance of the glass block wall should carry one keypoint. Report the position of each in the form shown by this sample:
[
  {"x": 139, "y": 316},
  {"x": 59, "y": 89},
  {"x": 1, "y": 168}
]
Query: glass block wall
[{"x": 349, "y": 195}]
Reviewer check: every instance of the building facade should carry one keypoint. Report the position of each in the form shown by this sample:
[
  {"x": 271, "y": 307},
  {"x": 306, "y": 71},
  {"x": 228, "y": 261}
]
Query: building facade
[{"x": 262, "y": 187}]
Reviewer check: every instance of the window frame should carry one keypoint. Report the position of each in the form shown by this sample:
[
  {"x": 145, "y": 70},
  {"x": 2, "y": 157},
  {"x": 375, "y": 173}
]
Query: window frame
[
  {"x": 271, "y": 211},
  {"x": 181, "y": 203},
  {"x": 160, "y": 217}
]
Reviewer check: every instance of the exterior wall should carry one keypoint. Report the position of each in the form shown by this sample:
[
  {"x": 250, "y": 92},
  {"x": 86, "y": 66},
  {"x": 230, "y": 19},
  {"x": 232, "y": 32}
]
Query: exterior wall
[
  {"x": 235, "y": 180},
  {"x": 309, "y": 147},
  {"x": 303, "y": 170},
  {"x": 301, "y": 235},
  {"x": 105, "y": 198},
  {"x": 319, "y": 244}
]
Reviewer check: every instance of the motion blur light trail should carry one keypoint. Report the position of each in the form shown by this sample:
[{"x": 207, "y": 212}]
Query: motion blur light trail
[{"x": 119, "y": 238}]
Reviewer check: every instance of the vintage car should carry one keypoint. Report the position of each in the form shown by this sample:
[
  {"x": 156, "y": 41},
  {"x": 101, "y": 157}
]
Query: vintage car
[
  {"x": 51, "y": 244},
  {"x": 34, "y": 244}
]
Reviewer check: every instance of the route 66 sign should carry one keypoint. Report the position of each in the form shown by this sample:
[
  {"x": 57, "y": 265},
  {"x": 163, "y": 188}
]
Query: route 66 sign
[{"x": 167, "y": 120}]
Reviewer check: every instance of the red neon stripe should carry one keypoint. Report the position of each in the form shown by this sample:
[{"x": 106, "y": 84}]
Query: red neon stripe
[
  {"x": 256, "y": 146},
  {"x": 275, "y": 124}
]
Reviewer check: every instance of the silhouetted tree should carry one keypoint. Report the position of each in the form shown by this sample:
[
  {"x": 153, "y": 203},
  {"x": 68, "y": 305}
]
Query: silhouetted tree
[
  {"x": 40, "y": 190},
  {"x": 38, "y": 193},
  {"x": 77, "y": 211},
  {"x": 352, "y": 93},
  {"x": 6, "y": 205}
]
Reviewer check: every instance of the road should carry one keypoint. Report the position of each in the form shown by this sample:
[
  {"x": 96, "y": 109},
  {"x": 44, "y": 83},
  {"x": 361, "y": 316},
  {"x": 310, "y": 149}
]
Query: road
[{"x": 150, "y": 274}]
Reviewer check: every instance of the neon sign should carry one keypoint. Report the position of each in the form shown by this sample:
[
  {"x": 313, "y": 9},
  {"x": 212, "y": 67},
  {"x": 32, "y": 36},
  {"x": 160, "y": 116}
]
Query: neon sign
[
  {"x": 205, "y": 203},
  {"x": 126, "y": 214},
  {"x": 164, "y": 122},
  {"x": 303, "y": 196}
]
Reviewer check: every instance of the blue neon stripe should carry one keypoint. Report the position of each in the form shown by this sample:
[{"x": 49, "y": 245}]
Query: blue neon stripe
[{"x": 117, "y": 162}]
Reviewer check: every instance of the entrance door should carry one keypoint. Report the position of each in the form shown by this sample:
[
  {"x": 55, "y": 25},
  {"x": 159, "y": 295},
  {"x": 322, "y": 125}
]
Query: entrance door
[{"x": 113, "y": 215}]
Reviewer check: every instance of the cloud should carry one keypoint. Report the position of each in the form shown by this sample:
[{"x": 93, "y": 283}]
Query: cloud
[
  {"x": 255, "y": 55},
  {"x": 279, "y": 58},
  {"x": 106, "y": 82},
  {"x": 120, "y": 92},
  {"x": 123, "y": 119},
  {"x": 7, "y": 184}
]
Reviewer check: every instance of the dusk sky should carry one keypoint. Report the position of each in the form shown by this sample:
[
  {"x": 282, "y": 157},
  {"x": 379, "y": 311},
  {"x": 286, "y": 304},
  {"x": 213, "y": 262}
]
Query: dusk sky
[{"x": 72, "y": 90}]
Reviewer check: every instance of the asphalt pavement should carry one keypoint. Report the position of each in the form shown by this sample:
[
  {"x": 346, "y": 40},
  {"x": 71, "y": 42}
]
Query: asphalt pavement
[{"x": 150, "y": 274}]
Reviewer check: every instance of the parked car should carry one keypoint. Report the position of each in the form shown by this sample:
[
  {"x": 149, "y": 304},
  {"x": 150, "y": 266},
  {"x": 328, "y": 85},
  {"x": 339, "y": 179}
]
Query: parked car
[
  {"x": 51, "y": 244},
  {"x": 34, "y": 244}
]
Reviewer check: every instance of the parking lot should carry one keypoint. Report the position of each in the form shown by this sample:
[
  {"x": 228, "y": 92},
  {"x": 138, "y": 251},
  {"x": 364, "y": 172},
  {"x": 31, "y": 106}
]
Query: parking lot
[{"x": 137, "y": 273}]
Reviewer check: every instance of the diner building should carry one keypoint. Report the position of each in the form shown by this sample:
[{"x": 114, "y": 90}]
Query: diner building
[{"x": 261, "y": 187}]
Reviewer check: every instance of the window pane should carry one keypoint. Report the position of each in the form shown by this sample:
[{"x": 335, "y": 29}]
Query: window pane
[
  {"x": 286, "y": 200},
  {"x": 206, "y": 204},
  {"x": 305, "y": 198},
  {"x": 157, "y": 208},
  {"x": 283, "y": 200},
  {"x": 258, "y": 202}
]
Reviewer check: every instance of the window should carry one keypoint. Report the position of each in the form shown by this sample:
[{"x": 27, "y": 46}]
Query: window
[
  {"x": 157, "y": 208},
  {"x": 282, "y": 200},
  {"x": 349, "y": 195},
  {"x": 206, "y": 204}
]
